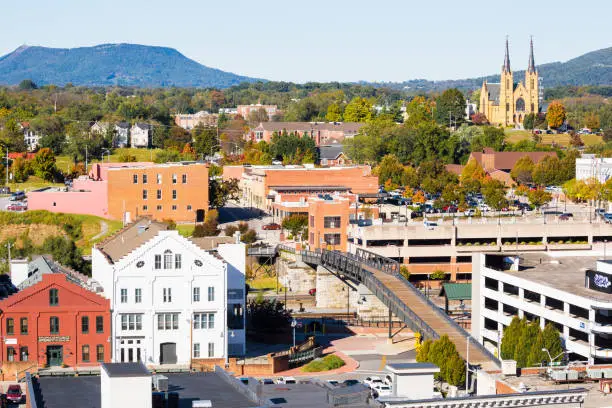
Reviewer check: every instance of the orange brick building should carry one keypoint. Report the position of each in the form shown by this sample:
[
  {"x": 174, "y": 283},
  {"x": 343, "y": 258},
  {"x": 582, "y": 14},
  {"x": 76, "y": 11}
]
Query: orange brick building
[
  {"x": 176, "y": 191},
  {"x": 55, "y": 322},
  {"x": 328, "y": 220}
]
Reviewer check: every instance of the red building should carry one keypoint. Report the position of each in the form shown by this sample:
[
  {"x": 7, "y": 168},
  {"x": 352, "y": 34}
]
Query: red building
[{"x": 55, "y": 322}]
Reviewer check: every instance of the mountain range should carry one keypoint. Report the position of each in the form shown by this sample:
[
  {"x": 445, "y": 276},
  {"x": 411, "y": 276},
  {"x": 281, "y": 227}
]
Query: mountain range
[
  {"x": 112, "y": 64},
  {"x": 149, "y": 66}
]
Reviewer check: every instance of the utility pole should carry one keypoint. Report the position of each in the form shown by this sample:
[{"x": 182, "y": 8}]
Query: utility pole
[
  {"x": 86, "y": 159},
  {"x": 8, "y": 245}
]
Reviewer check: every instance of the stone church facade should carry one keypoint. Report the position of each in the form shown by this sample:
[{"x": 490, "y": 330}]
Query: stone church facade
[{"x": 507, "y": 103}]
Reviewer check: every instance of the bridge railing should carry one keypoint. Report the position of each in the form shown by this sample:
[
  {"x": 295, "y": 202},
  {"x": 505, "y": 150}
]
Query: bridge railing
[{"x": 443, "y": 315}]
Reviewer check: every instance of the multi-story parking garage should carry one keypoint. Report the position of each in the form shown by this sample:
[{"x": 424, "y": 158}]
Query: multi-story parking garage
[{"x": 573, "y": 293}]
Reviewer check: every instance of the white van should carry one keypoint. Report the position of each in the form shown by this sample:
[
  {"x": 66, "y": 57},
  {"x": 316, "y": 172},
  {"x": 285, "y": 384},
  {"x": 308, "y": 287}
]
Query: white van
[{"x": 430, "y": 224}]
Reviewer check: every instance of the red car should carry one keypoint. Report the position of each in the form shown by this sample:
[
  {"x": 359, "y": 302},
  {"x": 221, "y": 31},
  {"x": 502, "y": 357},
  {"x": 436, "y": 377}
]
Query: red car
[
  {"x": 14, "y": 394},
  {"x": 16, "y": 207},
  {"x": 312, "y": 291},
  {"x": 271, "y": 227}
]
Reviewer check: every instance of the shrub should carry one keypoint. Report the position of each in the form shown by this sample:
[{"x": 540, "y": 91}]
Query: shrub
[{"x": 330, "y": 362}]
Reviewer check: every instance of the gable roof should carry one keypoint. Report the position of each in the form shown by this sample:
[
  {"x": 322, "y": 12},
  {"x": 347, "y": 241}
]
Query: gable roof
[
  {"x": 505, "y": 160},
  {"x": 457, "y": 291},
  {"x": 330, "y": 152},
  {"x": 129, "y": 238},
  {"x": 143, "y": 126},
  {"x": 493, "y": 93}
]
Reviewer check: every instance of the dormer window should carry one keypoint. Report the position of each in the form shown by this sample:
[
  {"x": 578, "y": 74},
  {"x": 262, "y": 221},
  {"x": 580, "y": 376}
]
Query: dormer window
[{"x": 167, "y": 259}]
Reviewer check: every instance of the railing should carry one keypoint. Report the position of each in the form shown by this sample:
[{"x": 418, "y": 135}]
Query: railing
[
  {"x": 286, "y": 248},
  {"x": 239, "y": 386},
  {"x": 33, "y": 398}
]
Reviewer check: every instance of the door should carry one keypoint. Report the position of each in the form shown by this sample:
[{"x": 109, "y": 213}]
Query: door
[
  {"x": 55, "y": 355},
  {"x": 200, "y": 215},
  {"x": 167, "y": 353}
]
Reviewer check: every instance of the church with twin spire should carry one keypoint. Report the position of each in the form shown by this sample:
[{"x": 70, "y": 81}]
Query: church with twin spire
[{"x": 507, "y": 103}]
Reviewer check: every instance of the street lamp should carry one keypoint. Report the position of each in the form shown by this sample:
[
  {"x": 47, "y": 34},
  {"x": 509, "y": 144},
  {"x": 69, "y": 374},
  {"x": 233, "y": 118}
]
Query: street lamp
[
  {"x": 551, "y": 359},
  {"x": 293, "y": 325}
]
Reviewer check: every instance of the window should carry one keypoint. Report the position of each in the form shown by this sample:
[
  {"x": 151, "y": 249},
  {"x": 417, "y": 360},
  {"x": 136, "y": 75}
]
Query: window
[
  {"x": 85, "y": 352},
  {"x": 189, "y": 208},
  {"x": 184, "y": 179},
  {"x": 211, "y": 293},
  {"x": 54, "y": 325},
  {"x": 124, "y": 298},
  {"x": 144, "y": 179},
  {"x": 196, "y": 294},
  {"x": 196, "y": 350},
  {"x": 507, "y": 107},
  {"x": 100, "y": 352},
  {"x": 167, "y": 295},
  {"x": 23, "y": 325},
  {"x": 167, "y": 259},
  {"x": 159, "y": 194},
  {"x": 177, "y": 261},
  {"x": 508, "y": 83},
  {"x": 10, "y": 326},
  {"x": 99, "y": 324},
  {"x": 532, "y": 107},
  {"x": 145, "y": 194},
  {"x": 174, "y": 194},
  {"x": 174, "y": 208},
  {"x": 311, "y": 240},
  {"x": 10, "y": 353},
  {"x": 203, "y": 320},
  {"x": 157, "y": 261},
  {"x": 53, "y": 297},
  {"x": 131, "y": 321},
  {"x": 167, "y": 321},
  {"x": 235, "y": 317},
  {"x": 159, "y": 208},
  {"x": 174, "y": 178},
  {"x": 145, "y": 208},
  {"x": 138, "y": 295},
  {"x": 332, "y": 239},
  {"x": 135, "y": 177},
  {"x": 211, "y": 350},
  {"x": 312, "y": 220},
  {"x": 159, "y": 179},
  {"x": 532, "y": 83},
  {"x": 84, "y": 324},
  {"x": 23, "y": 351},
  {"x": 331, "y": 222}
]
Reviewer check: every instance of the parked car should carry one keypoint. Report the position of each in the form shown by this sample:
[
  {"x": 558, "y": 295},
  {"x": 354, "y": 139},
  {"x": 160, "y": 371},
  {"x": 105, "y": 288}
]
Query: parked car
[
  {"x": 286, "y": 380},
  {"x": 388, "y": 380},
  {"x": 312, "y": 291},
  {"x": 373, "y": 381},
  {"x": 17, "y": 196},
  {"x": 266, "y": 381},
  {"x": 600, "y": 211},
  {"x": 607, "y": 218},
  {"x": 470, "y": 212},
  {"x": 271, "y": 227},
  {"x": 333, "y": 382},
  {"x": 14, "y": 394},
  {"x": 348, "y": 383},
  {"x": 382, "y": 390},
  {"x": 17, "y": 207},
  {"x": 430, "y": 225},
  {"x": 565, "y": 216}
]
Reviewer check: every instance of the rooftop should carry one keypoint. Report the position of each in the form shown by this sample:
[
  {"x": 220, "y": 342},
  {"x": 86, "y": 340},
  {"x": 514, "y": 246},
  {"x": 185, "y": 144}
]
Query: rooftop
[
  {"x": 125, "y": 369},
  {"x": 413, "y": 368},
  {"x": 561, "y": 273},
  {"x": 84, "y": 391},
  {"x": 129, "y": 238}
]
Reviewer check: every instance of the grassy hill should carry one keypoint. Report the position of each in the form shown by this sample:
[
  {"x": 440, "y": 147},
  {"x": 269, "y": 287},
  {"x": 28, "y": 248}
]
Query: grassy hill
[{"x": 112, "y": 64}]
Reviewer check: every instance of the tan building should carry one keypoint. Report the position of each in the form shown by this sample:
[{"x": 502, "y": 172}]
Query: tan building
[
  {"x": 323, "y": 133},
  {"x": 506, "y": 103},
  {"x": 245, "y": 110},
  {"x": 189, "y": 121}
]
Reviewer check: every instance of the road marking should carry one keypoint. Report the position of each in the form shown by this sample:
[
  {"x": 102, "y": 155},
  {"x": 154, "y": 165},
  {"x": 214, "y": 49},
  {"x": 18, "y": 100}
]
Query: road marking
[{"x": 383, "y": 362}]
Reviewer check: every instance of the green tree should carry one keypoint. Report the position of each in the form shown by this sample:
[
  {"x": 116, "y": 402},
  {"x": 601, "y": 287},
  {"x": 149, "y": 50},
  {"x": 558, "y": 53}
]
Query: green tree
[
  {"x": 418, "y": 111},
  {"x": 494, "y": 192},
  {"x": 529, "y": 121},
  {"x": 390, "y": 168},
  {"x": 358, "y": 110},
  {"x": 267, "y": 316},
  {"x": 205, "y": 139},
  {"x": 422, "y": 355},
  {"x": 44, "y": 164},
  {"x": 551, "y": 340},
  {"x": 492, "y": 137},
  {"x": 525, "y": 344},
  {"x": 334, "y": 113},
  {"x": 455, "y": 370},
  {"x": 450, "y": 108},
  {"x": 512, "y": 334},
  {"x": 522, "y": 170},
  {"x": 296, "y": 224},
  {"x": 21, "y": 170},
  {"x": 222, "y": 191},
  {"x": 547, "y": 171},
  {"x": 539, "y": 197},
  {"x": 27, "y": 85},
  {"x": 210, "y": 226}
]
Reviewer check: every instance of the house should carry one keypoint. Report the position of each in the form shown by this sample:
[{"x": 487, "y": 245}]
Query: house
[
  {"x": 31, "y": 138},
  {"x": 141, "y": 134},
  {"x": 171, "y": 300},
  {"x": 245, "y": 110},
  {"x": 55, "y": 321},
  {"x": 332, "y": 155},
  {"x": 122, "y": 134},
  {"x": 491, "y": 160},
  {"x": 322, "y": 133}
]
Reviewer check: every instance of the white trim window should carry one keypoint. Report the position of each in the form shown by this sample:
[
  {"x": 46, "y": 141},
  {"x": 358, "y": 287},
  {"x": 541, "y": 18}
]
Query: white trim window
[
  {"x": 131, "y": 321},
  {"x": 203, "y": 321},
  {"x": 211, "y": 293},
  {"x": 137, "y": 295},
  {"x": 196, "y": 294},
  {"x": 196, "y": 350},
  {"x": 167, "y": 321},
  {"x": 167, "y": 292},
  {"x": 167, "y": 259},
  {"x": 124, "y": 296}
]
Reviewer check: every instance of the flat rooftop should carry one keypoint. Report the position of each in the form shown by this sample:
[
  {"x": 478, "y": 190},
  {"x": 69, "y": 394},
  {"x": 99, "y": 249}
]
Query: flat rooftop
[
  {"x": 125, "y": 369},
  {"x": 564, "y": 273},
  {"x": 301, "y": 395},
  {"x": 84, "y": 391}
]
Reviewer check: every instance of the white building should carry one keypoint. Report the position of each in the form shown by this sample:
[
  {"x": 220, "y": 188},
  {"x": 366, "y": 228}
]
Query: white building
[
  {"x": 573, "y": 293},
  {"x": 141, "y": 134},
  {"x": 31, "y": 138},
  {"x": 589, "y": 166},
  {"x": 171, "y": 300}
]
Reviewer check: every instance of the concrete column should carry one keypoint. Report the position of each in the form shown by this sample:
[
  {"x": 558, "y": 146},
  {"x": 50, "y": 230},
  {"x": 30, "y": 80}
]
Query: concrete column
[
  {"x": 521, "y": 293},
  {"x": 566, "y": 308},
  {"x": 592, "y": 315},
  {"x": 453, "y": 267}
]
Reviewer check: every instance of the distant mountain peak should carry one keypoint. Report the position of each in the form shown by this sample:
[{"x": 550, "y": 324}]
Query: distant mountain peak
[{"x": 111, "y": 64}]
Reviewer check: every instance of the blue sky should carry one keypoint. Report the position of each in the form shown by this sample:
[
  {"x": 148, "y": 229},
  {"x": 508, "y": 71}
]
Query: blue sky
[{"x": 315, "y": 40}]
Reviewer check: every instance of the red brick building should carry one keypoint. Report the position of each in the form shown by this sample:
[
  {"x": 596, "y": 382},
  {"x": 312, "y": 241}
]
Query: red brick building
[{"x": 55, "y": 322}]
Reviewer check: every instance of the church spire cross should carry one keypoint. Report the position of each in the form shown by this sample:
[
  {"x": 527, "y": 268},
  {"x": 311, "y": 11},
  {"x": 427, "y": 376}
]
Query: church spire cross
[
  {"x": 507, "y": 58},
  {"x": 531, "y": 68}
]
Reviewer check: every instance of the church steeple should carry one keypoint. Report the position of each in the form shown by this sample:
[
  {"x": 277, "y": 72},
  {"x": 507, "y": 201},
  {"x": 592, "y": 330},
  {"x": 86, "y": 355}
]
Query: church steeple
[
  {"x": 506, "y": 67},
  {"x": 531, "y": 68}
]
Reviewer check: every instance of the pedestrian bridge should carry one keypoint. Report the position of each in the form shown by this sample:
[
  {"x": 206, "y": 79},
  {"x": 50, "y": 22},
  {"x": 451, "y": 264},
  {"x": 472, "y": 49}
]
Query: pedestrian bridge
[{"x": 381, "y": 276}]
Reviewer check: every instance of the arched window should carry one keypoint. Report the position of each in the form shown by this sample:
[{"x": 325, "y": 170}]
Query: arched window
[
  {"x": 167, "y": 259},
  {"x": 520, "y": 105}
]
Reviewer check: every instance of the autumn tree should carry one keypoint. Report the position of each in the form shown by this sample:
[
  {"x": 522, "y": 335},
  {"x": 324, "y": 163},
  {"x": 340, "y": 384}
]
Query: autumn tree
[
  {"x": 555, "y": 115},
  {"x": 494, "y": 192},
  {"x": 358, "y": 110},
  {"x": 334, "y": 113},
  {"x": 575, "y": 140},
  {"x": 389, "y": 168},
  {"x": 539, "y": 197},
  {"x": 591, "y": 120},
  {"x": 522, "y": 170},
  {"x": 546, "y": 171}
]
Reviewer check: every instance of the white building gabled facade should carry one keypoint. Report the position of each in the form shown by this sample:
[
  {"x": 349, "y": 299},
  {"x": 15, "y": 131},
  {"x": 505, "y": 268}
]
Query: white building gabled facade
[
  {"x": 140, "y": 135},
  {"x": 170, "y": 299}
]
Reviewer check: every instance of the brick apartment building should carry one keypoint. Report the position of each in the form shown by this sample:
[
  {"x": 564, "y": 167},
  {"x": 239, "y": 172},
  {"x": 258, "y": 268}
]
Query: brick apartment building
[
  {"x": 328, "y": 220},
  {"x": 176, "y": 191},
  {"x": 245, "y": 110},
  {"x": 54, "y": 322},
  {"x": 260, "y": 184},
  {"x": 322, "y": 133}
]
